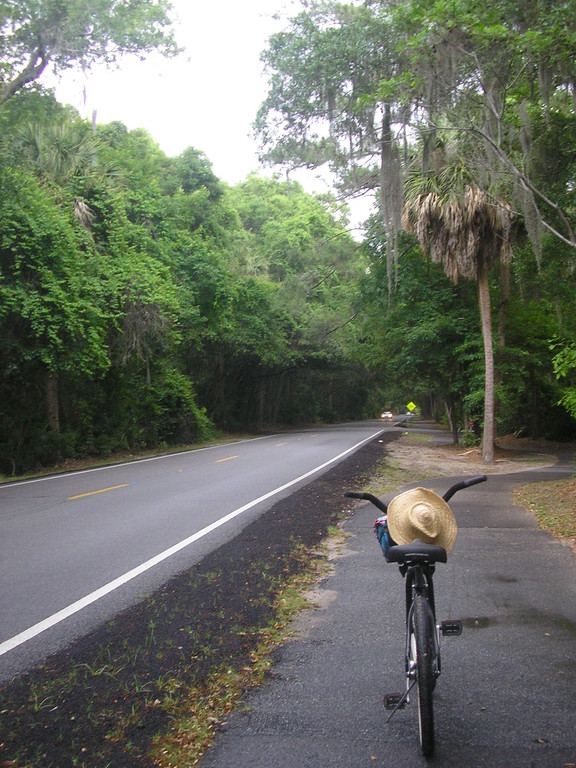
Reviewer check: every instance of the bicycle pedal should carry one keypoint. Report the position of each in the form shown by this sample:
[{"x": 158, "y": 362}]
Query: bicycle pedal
[
  {"x": 449, "y": 628},
  {"x": 392, "y": 701}
]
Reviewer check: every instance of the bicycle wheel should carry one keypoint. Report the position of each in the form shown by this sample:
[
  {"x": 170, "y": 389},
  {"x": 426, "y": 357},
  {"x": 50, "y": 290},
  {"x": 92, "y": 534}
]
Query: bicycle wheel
[{"x": 422, "y": 645}]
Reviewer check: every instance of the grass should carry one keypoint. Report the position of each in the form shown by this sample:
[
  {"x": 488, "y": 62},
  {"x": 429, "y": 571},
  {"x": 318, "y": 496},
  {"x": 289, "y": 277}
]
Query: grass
[
  {"x": 554, "y": 505},
  {"x": 114, "y": 693},
  {"x": 202, "y": 708},
  {"x": 389, "y": 475}
]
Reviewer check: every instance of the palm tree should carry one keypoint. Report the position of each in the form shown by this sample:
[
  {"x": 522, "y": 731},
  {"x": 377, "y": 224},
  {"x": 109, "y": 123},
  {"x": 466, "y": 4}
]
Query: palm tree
[
  {"x": 466, "y": 230},
  {"x": 62, "y": 154}
]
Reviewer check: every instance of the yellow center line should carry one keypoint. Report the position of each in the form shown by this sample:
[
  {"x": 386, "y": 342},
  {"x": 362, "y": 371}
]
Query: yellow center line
[
  {"x": 279, "y": 444},
  {"x": 228, "y": 458},
  {"x": 101, "y": 490}
]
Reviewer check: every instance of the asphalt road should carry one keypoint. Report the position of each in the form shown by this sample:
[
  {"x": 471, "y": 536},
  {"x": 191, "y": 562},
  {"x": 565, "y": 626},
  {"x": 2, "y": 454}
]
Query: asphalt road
[
  {"x": 78, "y": 548},
  {"x": 507, "y": 694}
]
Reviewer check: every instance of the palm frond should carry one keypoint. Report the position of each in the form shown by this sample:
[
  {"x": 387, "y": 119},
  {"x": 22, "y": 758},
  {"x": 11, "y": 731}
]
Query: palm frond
[{"x": 460, "y": 224}]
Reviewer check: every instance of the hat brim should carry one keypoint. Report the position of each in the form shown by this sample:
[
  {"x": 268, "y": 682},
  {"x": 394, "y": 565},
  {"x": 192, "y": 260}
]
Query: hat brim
[{"x": 401, "y": 524}]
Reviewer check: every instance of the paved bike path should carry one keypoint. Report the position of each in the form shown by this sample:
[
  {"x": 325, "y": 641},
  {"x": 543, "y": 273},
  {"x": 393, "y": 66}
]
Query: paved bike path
[{"x": 507, "y": 694}]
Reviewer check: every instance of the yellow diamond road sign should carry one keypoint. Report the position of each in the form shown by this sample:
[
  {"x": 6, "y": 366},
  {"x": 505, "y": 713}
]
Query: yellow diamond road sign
[{"x": 411, "y": 406}]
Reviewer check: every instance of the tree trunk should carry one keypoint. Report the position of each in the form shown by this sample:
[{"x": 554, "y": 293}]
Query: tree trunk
[
  {"x": 504, "y": 298},
  {"x": 278, "y": 397},
  {"x": 52, "y": 409},
  {"x": 452, "y": 422},
  {"x": 502, "y": 320},
  {"x": 391, "y": 196},
  {"x": 261, "y": 403},
  {"x": 486, "y": 322}
]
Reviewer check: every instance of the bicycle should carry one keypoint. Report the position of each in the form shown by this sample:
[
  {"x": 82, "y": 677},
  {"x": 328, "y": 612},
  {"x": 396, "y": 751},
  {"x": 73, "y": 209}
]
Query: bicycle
[{"x": 417, "y": 562}]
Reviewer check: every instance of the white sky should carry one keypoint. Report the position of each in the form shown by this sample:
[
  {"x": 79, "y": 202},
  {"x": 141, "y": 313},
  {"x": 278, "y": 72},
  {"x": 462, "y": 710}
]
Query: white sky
[{"x": 207, "y": 97}]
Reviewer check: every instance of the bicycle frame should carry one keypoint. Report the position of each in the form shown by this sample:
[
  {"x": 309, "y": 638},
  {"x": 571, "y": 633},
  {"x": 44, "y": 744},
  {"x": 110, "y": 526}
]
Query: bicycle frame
[{"x": 419, "y": 579}]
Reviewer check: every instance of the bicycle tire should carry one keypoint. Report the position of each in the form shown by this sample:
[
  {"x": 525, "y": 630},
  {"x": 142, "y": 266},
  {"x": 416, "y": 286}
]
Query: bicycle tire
[{"x": 423, "y": 648}]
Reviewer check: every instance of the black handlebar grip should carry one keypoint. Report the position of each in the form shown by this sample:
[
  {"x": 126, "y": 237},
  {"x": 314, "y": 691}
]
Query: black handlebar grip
[
  {"x": 475, "y": 480},
  {"x": 463, "y": 484},
  {"x": 368, "y": 497}
]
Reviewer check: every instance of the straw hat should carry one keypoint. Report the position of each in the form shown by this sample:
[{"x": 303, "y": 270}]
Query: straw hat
[{"x": 421, "y": 514}]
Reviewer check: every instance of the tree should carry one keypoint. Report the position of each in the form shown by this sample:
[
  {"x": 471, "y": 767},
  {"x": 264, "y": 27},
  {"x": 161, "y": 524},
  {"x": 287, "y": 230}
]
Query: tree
[
  {"x": 63, "y": 154},
  {"x": 194, "y": 171},
  {"x": 326, "y": 104},
  {"x": 564, "y": 367},
  {"x": 491, "y": 73},
  {"x": 276, "y": 304},
  {"x": 51, "y": 314},
  {"x": 76, "y": 33},
  {"x": 465, "y": 230},
  {"x": 423, "y": 342},
  {"x": 60, "y": 153},
  {"x": 350, "y": 84}
]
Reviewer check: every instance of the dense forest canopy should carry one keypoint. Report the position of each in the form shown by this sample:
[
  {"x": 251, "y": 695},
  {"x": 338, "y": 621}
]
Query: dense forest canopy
[
  {"x": 144, "y": 302},
  {"x": 461, "y": 117}
]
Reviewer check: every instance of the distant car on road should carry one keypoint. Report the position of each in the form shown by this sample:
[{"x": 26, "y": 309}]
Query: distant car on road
[{"x": 387, "y": 416}]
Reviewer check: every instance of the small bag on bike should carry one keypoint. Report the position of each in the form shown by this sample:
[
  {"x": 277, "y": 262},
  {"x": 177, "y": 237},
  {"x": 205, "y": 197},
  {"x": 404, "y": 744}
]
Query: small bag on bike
[{"x": 382, "y": 533}]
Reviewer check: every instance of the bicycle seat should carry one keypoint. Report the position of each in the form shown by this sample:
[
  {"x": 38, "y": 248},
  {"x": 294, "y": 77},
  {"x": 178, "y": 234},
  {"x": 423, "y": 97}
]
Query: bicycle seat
[{"x": 416, "y": 552}]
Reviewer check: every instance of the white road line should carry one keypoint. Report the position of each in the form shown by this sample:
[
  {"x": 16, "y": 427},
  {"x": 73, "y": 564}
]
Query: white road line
[
  {"x": 79, "y": 605},
  {"x": 105, "y": 467}
]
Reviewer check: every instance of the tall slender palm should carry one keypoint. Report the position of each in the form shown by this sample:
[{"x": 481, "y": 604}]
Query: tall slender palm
[{"x": 466, "y": 230}]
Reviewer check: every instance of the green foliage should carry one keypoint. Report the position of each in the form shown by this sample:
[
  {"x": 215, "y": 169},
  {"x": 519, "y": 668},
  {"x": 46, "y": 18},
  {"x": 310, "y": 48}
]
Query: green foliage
[
  {"x": 565, "y": 368},
  {"x": 283, "y": 302},
  {"x": 194, "y": 171},
  {"x": 143, "y": 301},
  {"x": 171, "y": 303},
  {"x": 74, "y": 33},
  {"x": 426, "y": 85},
  {"x": 325, "y": 70},
  {"x": 49, "y": 287},
  {"x": 425, "y": 340}
]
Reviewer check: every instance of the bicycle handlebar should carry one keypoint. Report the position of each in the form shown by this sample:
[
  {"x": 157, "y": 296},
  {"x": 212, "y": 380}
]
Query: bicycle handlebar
[
  {"x": 447, "y": 496},
  {"x": 463, "y": 484},
  {"x": 368, "y": 497}
]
